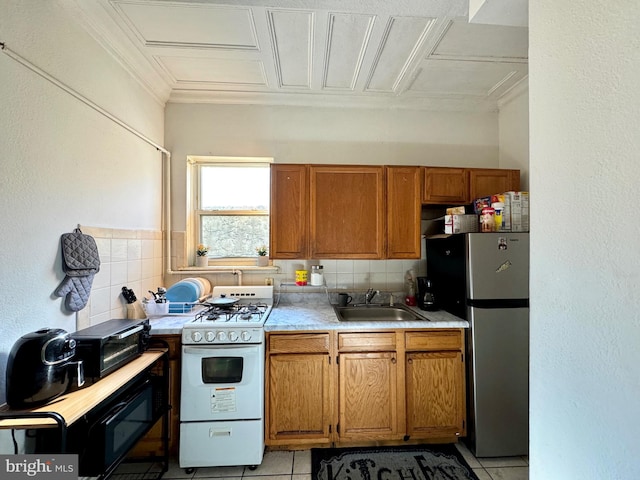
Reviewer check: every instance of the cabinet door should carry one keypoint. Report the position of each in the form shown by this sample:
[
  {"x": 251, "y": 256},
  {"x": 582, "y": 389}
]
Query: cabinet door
[
  {"x": 448, "y": 186},
  {"x": 435, "y": 394},
  {"x": 299, "y": 400},
  {"x": 403, "y": 212},
  {"x": 347, "y": 212},
  {"x": 368, "y": 407},
  {"x": 289, "y": 211},
  {"x": 487, "y": 181}
]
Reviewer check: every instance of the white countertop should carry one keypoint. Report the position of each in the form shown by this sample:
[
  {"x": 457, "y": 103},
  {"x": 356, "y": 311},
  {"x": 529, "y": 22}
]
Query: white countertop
[
  {"x": 314, "y": 313},
  {"x": 323, "y": 317}
]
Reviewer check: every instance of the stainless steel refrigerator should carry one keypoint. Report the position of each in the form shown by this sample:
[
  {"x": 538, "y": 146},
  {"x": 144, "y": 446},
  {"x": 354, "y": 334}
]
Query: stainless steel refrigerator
[{"x": 484, "y": 278}]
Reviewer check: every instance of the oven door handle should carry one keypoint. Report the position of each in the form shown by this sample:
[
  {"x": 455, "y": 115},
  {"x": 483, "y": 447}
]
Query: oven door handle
[{"x": 128, "y": 333}]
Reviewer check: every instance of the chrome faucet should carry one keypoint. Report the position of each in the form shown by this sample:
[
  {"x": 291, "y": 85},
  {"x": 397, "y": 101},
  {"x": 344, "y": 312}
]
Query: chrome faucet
[{"x": 369, "y": 296}]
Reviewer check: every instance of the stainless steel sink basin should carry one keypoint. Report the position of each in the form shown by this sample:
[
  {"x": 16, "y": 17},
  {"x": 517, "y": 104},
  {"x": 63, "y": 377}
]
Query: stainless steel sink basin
[{"x": 376, "y": 313}]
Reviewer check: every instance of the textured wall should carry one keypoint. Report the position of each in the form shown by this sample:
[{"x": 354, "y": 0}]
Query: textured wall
[
  {"x": 61, "y": 163},
  {"x": 585, "y": 260}
]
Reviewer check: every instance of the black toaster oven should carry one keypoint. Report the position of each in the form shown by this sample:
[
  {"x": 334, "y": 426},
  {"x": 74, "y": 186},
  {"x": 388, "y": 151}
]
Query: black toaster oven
[{"x": 107, "y": 346}]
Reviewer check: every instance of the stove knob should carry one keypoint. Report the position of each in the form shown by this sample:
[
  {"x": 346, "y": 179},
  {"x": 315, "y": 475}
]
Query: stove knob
[
  {"x": 221, "y": 336},
  {"x": 209, "y": 336},
  {"x": 246, "y": 336},
  {"x": 196, "y": 336},
  {"x": 233, "y": 336}
]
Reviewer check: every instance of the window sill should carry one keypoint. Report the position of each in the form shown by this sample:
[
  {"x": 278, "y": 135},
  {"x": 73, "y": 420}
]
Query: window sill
[{"x": 227, "y": 268}]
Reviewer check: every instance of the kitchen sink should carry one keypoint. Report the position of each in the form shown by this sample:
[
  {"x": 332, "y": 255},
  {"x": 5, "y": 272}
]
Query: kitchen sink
[{"x": 379, "y": 313}]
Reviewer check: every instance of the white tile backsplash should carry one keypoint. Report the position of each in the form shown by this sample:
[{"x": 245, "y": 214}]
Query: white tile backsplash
[
  {"x": 118, "y": 250},
  {"x": 118, "y": 273},
  {"x": 361, "y": 266},
  {"x": 134, "y": 249},
  {"x": 99, "y": 301},
  {"x": 134, "y": 270},
  {"x": 131, "y": 258},
  {"x": 358, "y": 275}
]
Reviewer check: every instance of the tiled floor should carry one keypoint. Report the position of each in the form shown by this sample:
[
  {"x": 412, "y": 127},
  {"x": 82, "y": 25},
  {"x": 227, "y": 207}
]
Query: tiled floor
[{"x": 296, "y": 465}]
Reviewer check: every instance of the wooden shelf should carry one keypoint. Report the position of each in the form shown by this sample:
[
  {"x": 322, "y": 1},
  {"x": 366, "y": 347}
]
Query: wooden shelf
[{"x": 72, "y": 406}]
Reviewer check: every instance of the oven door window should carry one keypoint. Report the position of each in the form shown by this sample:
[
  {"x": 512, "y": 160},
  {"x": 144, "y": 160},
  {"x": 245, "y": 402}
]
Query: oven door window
[{"x": 222, "y": 369}]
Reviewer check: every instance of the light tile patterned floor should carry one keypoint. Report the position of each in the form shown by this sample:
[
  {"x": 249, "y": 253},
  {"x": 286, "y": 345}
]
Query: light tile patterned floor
[{"x": 296, "y": 465}]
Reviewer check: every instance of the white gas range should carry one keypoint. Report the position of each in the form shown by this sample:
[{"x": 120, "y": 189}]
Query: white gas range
[{"x": 222, "y": 391}]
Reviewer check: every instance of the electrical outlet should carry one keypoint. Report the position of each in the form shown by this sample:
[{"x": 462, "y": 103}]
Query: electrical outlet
[{"x": 268, "y": 281}]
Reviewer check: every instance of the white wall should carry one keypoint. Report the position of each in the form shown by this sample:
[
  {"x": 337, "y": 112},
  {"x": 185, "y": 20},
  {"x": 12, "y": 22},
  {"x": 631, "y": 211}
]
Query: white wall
[
  {"x": 585, "y": 265},
  {"x": 325, "y": 135},
  {"x": 513, "y": 132},
  {"x": 61, "y": 163}
]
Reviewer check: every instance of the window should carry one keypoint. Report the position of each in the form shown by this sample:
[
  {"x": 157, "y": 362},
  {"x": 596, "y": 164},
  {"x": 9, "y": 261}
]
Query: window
[{"x": 231, "y": 207}]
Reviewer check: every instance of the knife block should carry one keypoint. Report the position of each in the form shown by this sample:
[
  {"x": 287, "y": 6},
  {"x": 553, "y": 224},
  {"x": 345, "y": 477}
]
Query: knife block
[{"x": 135, "y": 311}]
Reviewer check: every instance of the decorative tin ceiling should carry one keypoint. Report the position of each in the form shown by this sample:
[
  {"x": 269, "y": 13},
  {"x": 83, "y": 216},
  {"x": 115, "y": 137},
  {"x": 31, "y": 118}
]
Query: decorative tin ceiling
[{"x": 421, "y": 54}]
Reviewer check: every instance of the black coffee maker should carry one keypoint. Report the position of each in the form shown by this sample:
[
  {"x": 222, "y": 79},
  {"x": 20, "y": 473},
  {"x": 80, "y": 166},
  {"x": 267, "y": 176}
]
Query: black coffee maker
[{"x": 426, "y": 294}]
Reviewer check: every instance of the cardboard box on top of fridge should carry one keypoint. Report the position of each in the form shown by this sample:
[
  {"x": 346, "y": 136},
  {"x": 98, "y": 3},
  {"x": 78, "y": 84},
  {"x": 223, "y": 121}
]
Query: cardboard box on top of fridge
[
  {"x": 480, "y": 203},
  {"x": 461, "y": 224},
  {"x": 456, "y": 210},
  {"x": 518, "y": 210}
]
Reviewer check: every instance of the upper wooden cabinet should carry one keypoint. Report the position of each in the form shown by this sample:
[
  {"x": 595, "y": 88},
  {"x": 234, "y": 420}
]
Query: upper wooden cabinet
[
  {"x": 347, "y": 211},
  {"x": 451, "y": 186},
  {"x": 487, "y": 181},
  {"x": 403, "y": 212},
  {"x": 366, "y": 212},
  {"x": 289, "y": 224},
  {"x": 445, "y": 185}
]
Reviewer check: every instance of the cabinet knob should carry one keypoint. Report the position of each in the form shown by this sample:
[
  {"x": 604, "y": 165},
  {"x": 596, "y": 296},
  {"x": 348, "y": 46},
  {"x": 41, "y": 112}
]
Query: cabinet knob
[
  {"x": 410, "y": 360},
  {"x": 393, "y": 360}
]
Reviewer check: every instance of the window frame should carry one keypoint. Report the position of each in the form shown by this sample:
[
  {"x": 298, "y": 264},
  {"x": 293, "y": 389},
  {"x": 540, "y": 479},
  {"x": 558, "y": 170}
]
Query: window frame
[{"x": 194, "y": 213}]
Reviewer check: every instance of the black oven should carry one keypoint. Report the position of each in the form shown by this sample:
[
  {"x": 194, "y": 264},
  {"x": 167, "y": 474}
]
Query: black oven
[{"x": 104, "y": 438}]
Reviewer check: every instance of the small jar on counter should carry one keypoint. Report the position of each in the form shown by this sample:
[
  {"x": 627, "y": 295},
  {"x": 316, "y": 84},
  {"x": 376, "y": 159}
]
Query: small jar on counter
[{"x": 317, "y": 277}]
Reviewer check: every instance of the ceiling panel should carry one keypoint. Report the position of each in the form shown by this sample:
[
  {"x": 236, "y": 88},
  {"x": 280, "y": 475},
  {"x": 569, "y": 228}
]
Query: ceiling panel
[
  {"x": 402, "y": 39},
  {"x": 291, "y": 33},
  {"x": 348, "y": 37},
  {"x": 378, "y": 53},
  {"x": 483, "y": 41},
  {"x": 452, "y": 77},
  {"x": 214, "y": 70},
  {"x": 158, "y": 23}
]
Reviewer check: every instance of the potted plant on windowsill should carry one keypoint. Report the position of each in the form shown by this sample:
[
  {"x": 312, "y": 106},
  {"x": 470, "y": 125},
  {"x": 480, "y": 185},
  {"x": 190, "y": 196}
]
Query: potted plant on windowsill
[
  {"x": 202, "y": 260},
  {"x": 262, "y": 260}
]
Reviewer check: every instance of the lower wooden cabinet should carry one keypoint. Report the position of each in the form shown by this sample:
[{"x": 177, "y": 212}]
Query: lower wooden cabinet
[
  {"x": 435, "y": 379},
  {"x": 387, "y": 386},
  {"x": 298, "y": 402},
  {"x": 435, "y": 384},
  {"x": 368, "y": 396},
  {"x": 151, "y": 443}
]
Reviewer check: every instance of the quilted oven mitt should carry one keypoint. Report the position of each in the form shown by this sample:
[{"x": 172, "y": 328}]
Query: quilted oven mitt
[{"x": 77, "y": 291}]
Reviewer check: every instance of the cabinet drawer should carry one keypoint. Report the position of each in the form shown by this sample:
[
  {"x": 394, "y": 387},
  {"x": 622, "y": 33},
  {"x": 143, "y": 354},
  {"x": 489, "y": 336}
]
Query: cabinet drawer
[
  {"x": 370, "y": 342},
  {"x": 434, "y": 340},
  {"x": 298, "y": 343}
]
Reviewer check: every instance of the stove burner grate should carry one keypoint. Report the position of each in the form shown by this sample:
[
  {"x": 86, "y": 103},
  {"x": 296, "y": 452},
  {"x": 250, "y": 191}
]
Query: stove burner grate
[{"x": 245, "y": 312}]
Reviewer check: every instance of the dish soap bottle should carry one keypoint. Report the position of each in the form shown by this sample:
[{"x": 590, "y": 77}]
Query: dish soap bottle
[{"x": 410, "y": 299}]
